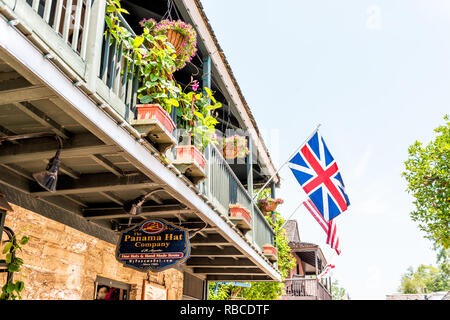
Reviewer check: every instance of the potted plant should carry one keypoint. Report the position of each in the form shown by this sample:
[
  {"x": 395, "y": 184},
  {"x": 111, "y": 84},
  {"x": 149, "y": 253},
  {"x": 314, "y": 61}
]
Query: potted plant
[
  {"x": 158, "y": 91},
  {"x": 235, "y": 147},
  {"x": 198, "y": 125},
  {"x": 179, "y": 34},
  {"x": 269, "y": 204},
  {"x": 241, "y": 217},
  {"x": 238, "y": 211},
  {"x": 270, "y": 252}
]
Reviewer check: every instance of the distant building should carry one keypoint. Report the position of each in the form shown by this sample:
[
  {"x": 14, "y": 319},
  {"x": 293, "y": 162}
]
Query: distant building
[
  {"x": 419, "y": 296},
  {"x": 302, "y": 282}
]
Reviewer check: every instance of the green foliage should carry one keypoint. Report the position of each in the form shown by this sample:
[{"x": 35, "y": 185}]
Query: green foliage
[
  {"x": 12, "y": 290},
  {"x": 152, "y": 56},
  {"x": 195, "y": 112},
  {"x": 337, "y": 292},
  {"x": 266, "y": 290},
  {"x": 155, "y": 60},
  {"x": 426, "y": 276},
  {"x": 428, "y": 176}
]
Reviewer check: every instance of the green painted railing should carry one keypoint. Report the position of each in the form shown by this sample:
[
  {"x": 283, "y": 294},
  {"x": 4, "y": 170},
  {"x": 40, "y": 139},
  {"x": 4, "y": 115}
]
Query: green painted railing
[{"x": 223, "y": 188}]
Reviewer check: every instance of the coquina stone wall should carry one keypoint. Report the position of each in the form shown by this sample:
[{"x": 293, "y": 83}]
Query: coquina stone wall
[{"x": 62, "y": 263}]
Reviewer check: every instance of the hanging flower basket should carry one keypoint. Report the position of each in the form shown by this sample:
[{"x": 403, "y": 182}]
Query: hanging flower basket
[
  {"x": 181, "y": 35},
  {"x": 235, "y": 147},
  {"x": 269, "y": 204}
]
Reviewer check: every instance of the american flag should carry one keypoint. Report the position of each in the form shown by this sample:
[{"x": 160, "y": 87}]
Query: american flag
[
  {"x": 325, "y": 271},
  {"x": 317, "y": 172},
  {"x": 329, "y": 227}
]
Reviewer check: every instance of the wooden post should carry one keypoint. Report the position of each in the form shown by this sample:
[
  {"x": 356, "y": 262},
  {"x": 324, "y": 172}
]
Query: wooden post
[
  {"x": 250, "y": 168},
  {"x": 250, "y": 183},
  {"x": 95, "y": 40},
  {"x": 272, "y": 190},
  {"x": 317, "y": 282},
  {"x": 206, "y": 77}
]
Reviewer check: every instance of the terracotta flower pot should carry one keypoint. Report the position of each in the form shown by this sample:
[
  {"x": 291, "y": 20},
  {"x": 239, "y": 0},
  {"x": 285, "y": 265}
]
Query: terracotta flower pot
[
  {"x": 270, "y": 250},
  {"x": 240, "y": 212},
  {"x": 190, "y": 153},
  {"x": 155, "y": 111}
]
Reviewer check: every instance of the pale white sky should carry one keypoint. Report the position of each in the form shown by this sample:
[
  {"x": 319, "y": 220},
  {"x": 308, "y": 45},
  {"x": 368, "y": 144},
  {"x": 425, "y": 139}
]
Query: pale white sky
[{"x": 376, "y": 75}]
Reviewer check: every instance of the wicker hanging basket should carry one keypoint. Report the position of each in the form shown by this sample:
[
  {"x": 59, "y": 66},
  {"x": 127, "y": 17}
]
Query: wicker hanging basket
[{"x": 176, "y": 39}]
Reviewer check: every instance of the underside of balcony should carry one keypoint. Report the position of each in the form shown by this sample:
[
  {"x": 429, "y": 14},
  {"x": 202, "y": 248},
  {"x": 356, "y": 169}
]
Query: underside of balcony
[{"x": 104, "y": 166}]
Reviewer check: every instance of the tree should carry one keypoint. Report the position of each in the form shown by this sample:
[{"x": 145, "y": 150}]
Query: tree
[
  {"x": 434, "y": 279},
  {"x": 337, "y": 292},
  {"x": 428, "y": 176}
]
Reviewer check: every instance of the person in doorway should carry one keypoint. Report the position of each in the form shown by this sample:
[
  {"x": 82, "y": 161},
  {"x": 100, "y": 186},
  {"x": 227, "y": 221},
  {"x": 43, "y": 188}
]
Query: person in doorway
[{"x": 102, "y": 292}]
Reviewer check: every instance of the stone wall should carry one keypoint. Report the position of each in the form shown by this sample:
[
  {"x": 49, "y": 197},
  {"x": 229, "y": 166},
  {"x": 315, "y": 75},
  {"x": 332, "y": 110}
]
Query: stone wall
[{"x": 63, "y": 263}]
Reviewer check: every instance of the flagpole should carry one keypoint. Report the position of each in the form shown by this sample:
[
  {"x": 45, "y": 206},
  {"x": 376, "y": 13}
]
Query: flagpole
[
  {"x": 289, "y": 158},
  {"x": 291, "y": 215}
]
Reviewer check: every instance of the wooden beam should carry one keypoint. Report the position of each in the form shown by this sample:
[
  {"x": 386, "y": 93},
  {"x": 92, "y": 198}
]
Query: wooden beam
[
  {"x": 99, "y": 182},
  {"x": 229, "y": 271},
  {"x": 238, "y": 278},
  {"x": 213, "y": 239},
  {"x": 213, "y": 251},
  {"x": 114, "y": 198},
  {"x": 147, "y": 211},
  {"x": 45, "y": 148},
  {"x": 11, "y": 75},
  {"x": 219, "y": 262},
  {"x": 42, "y": 118},
  {"x": 107, "y": 164},
  {"x": 25, "y": 94}
]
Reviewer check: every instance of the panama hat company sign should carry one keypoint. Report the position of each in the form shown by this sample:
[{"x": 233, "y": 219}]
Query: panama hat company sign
[{"x": 154, "y": 244}]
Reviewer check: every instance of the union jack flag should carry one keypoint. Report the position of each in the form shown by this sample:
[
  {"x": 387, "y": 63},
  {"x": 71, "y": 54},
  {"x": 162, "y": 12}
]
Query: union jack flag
[{"x": 317, "y": 172}]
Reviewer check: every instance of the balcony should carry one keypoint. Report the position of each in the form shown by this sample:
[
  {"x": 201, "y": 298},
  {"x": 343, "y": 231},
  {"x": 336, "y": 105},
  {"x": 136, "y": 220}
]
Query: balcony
[
  {"x": 305, "y": 289},
  {"x": 73, "y": 40}
]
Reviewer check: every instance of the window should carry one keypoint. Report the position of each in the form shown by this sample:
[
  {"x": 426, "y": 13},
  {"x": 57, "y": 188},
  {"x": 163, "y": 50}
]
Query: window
[{"x": 108, "y": 289}]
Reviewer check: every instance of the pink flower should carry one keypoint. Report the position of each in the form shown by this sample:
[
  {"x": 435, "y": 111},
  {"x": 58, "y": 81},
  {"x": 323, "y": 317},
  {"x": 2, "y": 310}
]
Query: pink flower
[{"x": 195, "y": 85}]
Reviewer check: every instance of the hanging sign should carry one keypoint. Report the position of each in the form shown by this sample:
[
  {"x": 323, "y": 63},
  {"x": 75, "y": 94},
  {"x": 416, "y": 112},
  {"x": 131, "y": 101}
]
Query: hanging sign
[{"x": 154, "y": 244}]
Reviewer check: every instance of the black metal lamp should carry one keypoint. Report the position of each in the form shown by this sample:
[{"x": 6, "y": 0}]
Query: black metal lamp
[
  {"x": 47, "y": 179},
  {"x": 135, "y": 207}
]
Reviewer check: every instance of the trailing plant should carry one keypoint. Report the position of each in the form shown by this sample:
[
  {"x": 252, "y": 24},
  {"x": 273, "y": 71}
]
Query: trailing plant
[
  {"x": 154, "y": 62},
  {"x": 188, "y": 46},
  {"x": 195, "y": 111},
  {"x": 12, "y": 290},
  {"x": 265, "y": 204}
]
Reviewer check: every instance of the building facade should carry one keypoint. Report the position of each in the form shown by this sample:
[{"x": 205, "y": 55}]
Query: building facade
[
  {"x": 302, "y": 283},
  {"x": 65, "y": 89}
]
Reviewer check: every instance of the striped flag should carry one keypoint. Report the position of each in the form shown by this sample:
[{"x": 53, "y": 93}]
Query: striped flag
[
  {"x": 325, "y": 271},
  {"x": 328, "y": 227}
]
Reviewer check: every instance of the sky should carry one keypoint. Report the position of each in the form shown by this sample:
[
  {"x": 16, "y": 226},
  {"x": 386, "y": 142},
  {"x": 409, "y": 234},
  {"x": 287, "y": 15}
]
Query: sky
[{"x": 376, "y": 76}]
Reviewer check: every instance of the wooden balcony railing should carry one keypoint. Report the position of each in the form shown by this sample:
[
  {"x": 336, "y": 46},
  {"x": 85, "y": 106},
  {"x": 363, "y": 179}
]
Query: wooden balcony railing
[
  {"x": 222, "y": 188},
  {"x": 305, "y": 289}
]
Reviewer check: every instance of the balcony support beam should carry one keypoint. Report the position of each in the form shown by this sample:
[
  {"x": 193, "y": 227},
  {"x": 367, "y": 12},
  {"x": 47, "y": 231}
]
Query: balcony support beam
[
  {"x": 98, "y": 182},
  {"x": 204, "y": 262}
]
